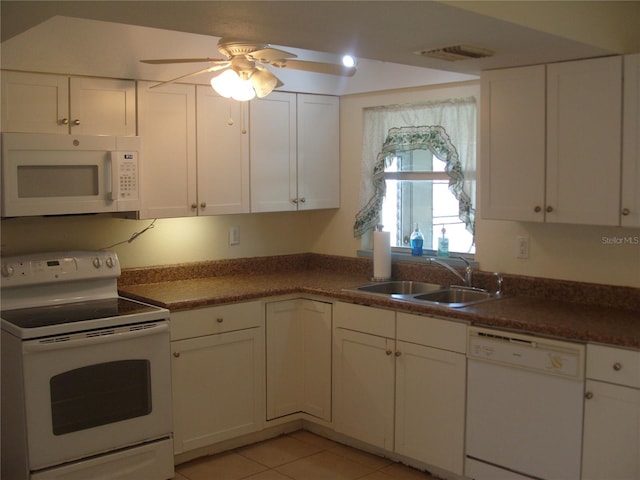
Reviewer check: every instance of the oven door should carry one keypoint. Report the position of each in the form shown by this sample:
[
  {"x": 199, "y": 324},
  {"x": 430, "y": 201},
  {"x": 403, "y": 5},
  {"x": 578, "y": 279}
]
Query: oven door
[{"x": 96, "y": 391}]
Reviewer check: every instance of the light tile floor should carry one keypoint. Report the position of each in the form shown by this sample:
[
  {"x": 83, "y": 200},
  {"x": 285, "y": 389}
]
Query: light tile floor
[{"x": 299, "y": 455}]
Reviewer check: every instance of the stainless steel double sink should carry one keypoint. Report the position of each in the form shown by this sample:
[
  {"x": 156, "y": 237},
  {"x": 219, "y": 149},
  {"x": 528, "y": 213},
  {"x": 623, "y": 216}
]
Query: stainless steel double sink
[{"x": 452, "y": 296}]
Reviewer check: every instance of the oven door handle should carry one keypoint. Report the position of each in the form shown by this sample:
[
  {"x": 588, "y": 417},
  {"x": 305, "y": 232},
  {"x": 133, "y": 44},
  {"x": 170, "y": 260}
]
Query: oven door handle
[{"x": 117, "y": 334}]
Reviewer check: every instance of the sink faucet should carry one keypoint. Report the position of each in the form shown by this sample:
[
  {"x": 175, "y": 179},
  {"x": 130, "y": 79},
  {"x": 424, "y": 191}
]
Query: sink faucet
[{"x": 468, "y": 271}]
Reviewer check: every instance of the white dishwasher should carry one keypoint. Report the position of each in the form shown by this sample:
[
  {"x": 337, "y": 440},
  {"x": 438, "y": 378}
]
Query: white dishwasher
[{"x": 524, "y": 407}]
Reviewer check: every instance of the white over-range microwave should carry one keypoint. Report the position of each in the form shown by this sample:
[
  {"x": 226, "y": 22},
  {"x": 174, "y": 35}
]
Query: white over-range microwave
[{"x": 49, "y": 174}]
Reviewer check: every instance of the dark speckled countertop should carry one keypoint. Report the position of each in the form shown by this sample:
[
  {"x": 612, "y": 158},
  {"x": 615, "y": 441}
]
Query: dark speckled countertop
[{"x": 605, "y": 314}]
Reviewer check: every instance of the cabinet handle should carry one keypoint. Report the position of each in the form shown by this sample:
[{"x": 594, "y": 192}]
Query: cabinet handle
[
  {"x": 389, "y": 352},
  {"x": 176, "y": 354},
  {"x": 64, "y": 121},
  {"x": 537, "y": 209},
  {"x": 194, "y": 205},
  {"x": 203, "y": 205},
  {"x": 588, "y": 395},
  {"x": 219, "y": 319},
  {"x": 617, "y": 366},
  {"x": 398, "y": 353},
  {"x": 294, "y": 200},
  {"x": 76, "y": 122},
  {"x": 302, "y": 200},
  {"x": 626, "y": 211},
  {"x": 549, "y": 209}
]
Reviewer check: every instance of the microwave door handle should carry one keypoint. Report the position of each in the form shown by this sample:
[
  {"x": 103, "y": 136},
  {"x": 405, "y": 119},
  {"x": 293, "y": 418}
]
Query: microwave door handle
[
  {"x": 40, "y": 346},
  {"x": 114, "y": 184}
]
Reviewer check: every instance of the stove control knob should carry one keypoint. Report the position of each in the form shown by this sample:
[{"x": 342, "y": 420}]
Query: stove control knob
[
  {"x": 109, "y": 262},
  {"x": 6, "y": 270},
  {"x": 97, "y": 262}
]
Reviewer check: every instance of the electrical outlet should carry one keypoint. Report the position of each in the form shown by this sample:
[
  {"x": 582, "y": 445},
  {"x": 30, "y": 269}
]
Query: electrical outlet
[
  {"x": 522, "y": 247},
  {"x": 234, "y": 235}
]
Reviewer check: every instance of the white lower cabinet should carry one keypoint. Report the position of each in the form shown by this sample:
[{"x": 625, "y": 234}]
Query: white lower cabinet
[
  {"x": 430, "y": 390},
  {"x": 298, "y": 356},
  {"x": 217, "y": 370},
  {"x": 611, "y": 444},
  {"x": 399, "y": 383},
  {"x": 364, "y": 376}
]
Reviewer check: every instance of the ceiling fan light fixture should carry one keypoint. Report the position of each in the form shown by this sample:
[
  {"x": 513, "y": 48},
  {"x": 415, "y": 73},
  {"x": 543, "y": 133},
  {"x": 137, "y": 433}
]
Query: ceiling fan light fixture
[
  {"x": 229, "y": 84},
  {"x": 263, "y": 82}
]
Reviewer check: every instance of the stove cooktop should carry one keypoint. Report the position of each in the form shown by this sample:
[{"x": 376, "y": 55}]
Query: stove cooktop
[{"x": 63, "y": 318}]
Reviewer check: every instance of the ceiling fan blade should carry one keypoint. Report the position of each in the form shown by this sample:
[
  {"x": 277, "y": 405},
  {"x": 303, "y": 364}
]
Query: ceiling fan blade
[
  {"x": 193, "y": 74},
  {"x": 264, "y": 82},
  {"x": 267, "y": 55},
  {"x": 317, "y": 67},
  {"x": 161, "y": 61}
]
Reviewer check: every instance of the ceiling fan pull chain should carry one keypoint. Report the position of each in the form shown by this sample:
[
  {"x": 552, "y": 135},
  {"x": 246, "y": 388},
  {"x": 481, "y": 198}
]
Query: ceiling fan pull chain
[
  {"x": 230, "y": 121},
  {"x": 242, "y": 119}
]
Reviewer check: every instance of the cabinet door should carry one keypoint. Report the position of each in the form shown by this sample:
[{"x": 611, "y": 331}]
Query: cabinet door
[
  {"x": 584, "y": 114},
  {"x": 285, "y": 372},
  {"x": 298, "y": 358},
  {"x": 272, "y": 136},
  {"x": 102, "y": 106},
  {"x": 223, "y": 154},
  {"x": 35, "y": 103},
  {"x": 318, "y": 152},
  {"x": 513, "y": 144},
  {"x": 611, "y": 444},
  {"x": 631, "y": 143},
  {"x": 167, "y": 126},
  {"x": 363, "y": 379},
  {"x": 218, "y": 387},
  {"x": 430, "y": 405}
]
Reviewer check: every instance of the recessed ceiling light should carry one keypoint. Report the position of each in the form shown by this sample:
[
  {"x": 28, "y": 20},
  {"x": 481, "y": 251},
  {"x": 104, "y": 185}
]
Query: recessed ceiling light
[{"x": 348, "y": 61}]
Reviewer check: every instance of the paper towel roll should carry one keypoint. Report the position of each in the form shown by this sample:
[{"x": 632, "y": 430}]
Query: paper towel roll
[{"x": 381, "y": 255}]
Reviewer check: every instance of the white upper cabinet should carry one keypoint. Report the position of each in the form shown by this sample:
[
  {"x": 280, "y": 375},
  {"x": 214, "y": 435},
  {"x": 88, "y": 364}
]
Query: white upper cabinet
[
  {"x": 513, "y": 143},
  {"x": 584, "y": 115},
  {"x": 551, "y": 142},
  {"x": 40, "y": 103},
  {"x": 295, "y": 160},
  {"x": 630, "y": 206},
  {"x": 273, "y": 153},
  {"x": 167, "y": 119},
  {"x": 223, "y": 154},
  {"x": 318, "y": 152},
  {"x": 196, "y": 152}
]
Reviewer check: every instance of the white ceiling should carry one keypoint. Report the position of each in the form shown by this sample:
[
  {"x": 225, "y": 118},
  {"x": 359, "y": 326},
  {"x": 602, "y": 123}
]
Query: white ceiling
[{"x": 109, "y": 38}]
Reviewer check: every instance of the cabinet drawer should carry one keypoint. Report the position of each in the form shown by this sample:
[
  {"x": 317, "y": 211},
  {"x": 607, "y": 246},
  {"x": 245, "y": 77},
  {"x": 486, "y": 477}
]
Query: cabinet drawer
[
  {"x": 375, "y": 321},
  {"x": 432, "y": 332},
  {"x": 212, "y": 320},
  {"x": 614, "y": 365}
]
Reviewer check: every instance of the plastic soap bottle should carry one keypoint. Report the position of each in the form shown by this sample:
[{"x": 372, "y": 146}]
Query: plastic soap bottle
[
  {"x": 443, "y": 244},
  {"x": 416, "y": 241}
]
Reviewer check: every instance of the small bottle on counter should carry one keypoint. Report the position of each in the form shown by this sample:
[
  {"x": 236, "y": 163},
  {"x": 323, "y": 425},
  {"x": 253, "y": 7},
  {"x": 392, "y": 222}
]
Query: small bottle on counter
[
  {"x": 416, "y": 241},
  {"x": 443, "y": 244}
]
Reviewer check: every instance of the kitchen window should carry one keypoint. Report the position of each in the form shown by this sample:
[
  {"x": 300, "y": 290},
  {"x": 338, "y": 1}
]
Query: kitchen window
[
  {"x": 417, "y": 193},
  {"x": 421, "y": 175}
]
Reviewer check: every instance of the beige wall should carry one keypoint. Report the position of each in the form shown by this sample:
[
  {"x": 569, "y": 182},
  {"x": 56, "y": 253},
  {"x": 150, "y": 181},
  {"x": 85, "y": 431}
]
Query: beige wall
[
  {"x": 609, "y": 24},
  {"x": 557, "y": 251}
]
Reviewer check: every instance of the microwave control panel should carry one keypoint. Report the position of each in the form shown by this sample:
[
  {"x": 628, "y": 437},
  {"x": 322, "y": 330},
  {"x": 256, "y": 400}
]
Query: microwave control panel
[{"x": 125, "y": 175}]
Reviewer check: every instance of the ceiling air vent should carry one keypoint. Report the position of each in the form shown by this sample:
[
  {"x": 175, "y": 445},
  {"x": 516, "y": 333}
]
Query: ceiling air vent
[{"x": 456, "y": 52}]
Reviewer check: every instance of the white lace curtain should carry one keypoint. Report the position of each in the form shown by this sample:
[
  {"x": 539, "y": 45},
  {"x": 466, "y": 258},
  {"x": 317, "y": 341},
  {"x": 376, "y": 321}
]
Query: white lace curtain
[{"x": 458, "y": 119}]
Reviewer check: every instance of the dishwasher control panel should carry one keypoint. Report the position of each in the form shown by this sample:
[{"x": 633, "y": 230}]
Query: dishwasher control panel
[{"x": 532, "y": 353}]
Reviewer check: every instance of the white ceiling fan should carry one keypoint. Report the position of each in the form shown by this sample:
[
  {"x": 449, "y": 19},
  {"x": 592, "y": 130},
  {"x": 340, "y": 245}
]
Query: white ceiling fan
[{"x": 243, "y": 74}]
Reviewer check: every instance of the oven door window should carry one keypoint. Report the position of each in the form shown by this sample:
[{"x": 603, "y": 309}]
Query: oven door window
[{"x": 100, "y": 394}]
